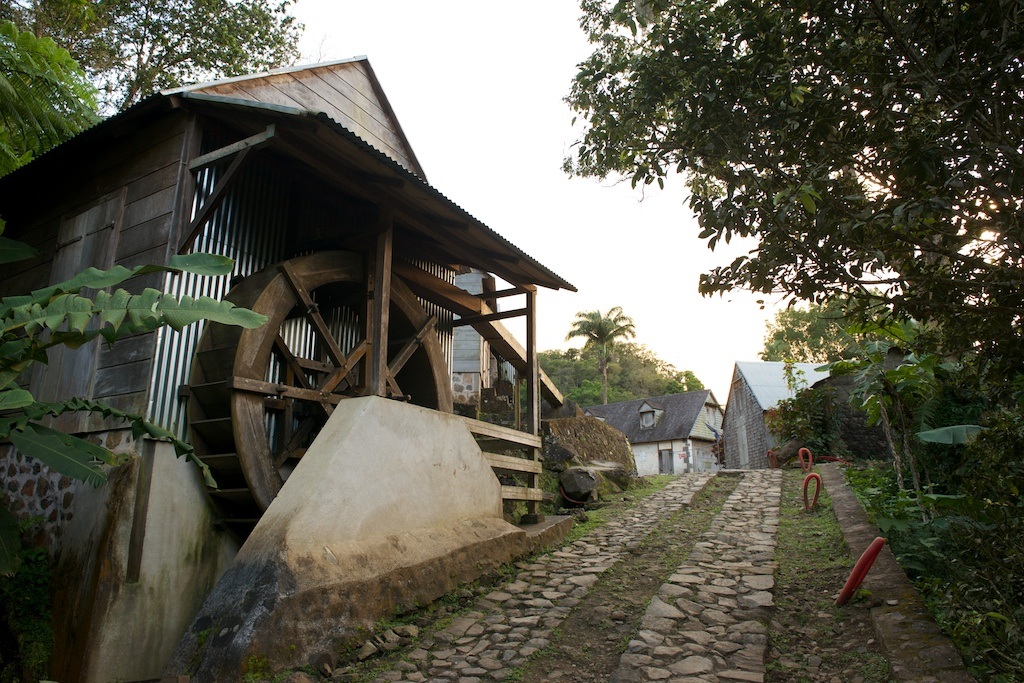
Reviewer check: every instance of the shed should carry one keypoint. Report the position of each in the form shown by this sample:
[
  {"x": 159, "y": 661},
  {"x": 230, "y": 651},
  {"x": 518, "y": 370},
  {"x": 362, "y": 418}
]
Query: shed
[
  {"x": 756, "y": 388},
  {"x": 304, "y": 177}
]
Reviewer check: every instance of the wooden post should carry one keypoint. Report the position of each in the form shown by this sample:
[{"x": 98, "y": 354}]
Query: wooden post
[
  {"x": 532, "y": 366},
  {"x": 532, "y": 374},
  {"x": 380, "y": 305}
]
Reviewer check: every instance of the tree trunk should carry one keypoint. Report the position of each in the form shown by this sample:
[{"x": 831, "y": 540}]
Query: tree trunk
[{"x": 604, "y": 380}]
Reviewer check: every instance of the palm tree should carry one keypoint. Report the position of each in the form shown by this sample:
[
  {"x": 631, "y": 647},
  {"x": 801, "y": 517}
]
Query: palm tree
[{"x": 602, "y": 332}]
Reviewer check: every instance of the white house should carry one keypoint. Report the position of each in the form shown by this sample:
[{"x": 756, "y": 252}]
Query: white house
[{"x": 671, "y": 434}]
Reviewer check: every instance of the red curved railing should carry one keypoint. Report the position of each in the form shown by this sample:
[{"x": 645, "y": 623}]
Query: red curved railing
[{"x": 860, "y": 570}]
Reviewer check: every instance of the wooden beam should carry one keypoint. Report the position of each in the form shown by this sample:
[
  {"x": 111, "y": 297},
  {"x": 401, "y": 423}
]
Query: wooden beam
[
  {"x": 493, "y": 431},
  {"x": 532, "y": 370},
  {"x": 258, "y": 386},
  {"x": 512, "y": 463},
  {"x": 500, "y": 256},
  {"x": 521, "y": 493},
  {"x": 464, "y": 304},
  {"x": 380, "y": 307},
  {"x": 403, "y": 356},
  {"x": 502, "y": 293},
  {"x": 252, "y": 142},
  {"x": 500, "y": 315},
  {"x": 214, "y": 201}
]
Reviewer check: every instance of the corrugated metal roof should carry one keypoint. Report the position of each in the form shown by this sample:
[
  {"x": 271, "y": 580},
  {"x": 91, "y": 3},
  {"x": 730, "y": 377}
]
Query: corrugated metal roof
[
  {"x": 521, "y": 263},
  {"x": 768, "y": 383}
]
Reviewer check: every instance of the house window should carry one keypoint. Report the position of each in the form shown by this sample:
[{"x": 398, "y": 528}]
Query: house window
[{"x": 647, "y": 419}]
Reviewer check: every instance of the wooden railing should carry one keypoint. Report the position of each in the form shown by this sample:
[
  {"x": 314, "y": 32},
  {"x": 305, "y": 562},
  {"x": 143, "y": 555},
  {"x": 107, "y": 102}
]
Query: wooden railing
[{"x": 525, "y": 467}]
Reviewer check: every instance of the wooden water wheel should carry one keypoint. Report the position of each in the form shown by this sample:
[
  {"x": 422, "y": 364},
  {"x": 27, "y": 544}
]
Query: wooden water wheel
[{"x": 259, "y": 397}]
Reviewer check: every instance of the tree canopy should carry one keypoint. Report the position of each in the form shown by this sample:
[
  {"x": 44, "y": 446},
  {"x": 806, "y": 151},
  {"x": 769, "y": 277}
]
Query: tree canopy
[
  {"x": 45, "y": 97},
  {"x": 131, "y": 48},
  {"x": 637, "y": 373},
  {"x": 810, "y": 334},
  {"x": 874, "y": 149}
]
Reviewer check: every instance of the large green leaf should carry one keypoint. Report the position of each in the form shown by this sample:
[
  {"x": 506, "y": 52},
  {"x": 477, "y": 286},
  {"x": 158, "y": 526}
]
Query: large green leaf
[
  {"x": 10, "y": 542},
  {"x": 202, "y": 264},
  {"x": 178, "y": 314},
  {"x": 94, "y": 278},
  {"x": 68, "y": 316},
  {"x": 63, "y": 453},
  {"x": 13, "y": 250},
  {"x": 10, "y": 399},
  {"x": 953, "y": 435}
]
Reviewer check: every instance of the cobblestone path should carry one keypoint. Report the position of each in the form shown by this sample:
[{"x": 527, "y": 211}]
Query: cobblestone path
[
  {"x": 704, "y": 625},
  {"x": 706, "y": 622},
  {"x": 513, "y": 622}
]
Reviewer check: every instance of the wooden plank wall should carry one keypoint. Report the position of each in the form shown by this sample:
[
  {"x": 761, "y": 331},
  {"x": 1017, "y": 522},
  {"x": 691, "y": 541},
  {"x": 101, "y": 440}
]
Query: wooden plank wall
[
  {"x": 141, "y": 170},
  {"x": 342, "y": 91}
]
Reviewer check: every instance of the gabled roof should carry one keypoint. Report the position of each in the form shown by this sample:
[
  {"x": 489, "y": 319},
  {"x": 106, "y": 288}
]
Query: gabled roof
[
  {"x": 440, "y": 228},
  {"x": 346, "y": 90},
  {"x": 767, "y": 380},
  {"x": 683, "y": 417}
]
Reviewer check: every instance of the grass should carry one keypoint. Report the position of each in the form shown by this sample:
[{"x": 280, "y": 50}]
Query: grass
[{"x": 813, "y": 563}]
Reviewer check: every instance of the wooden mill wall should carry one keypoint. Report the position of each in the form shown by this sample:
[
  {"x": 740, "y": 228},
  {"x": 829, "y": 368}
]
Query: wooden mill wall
[{"x": 114, "y": 208}]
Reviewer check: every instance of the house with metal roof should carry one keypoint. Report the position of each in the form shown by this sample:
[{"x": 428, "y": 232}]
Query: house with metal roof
[
  {"x": 672, "y": 434},
  {"x": 304, "y": 177},
  {"x": 756, "y": 388}
]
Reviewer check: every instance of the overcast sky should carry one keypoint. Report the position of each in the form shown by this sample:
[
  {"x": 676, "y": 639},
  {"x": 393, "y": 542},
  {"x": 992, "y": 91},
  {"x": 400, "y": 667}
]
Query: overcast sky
[{"x": 478, "y": 88}]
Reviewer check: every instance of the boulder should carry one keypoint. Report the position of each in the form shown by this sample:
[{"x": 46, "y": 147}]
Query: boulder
[{"x": 579, "y": 485}]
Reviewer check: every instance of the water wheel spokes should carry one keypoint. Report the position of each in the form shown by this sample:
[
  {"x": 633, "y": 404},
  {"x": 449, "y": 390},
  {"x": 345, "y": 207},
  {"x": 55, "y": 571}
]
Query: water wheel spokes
[{"x": 261, "y": 396}]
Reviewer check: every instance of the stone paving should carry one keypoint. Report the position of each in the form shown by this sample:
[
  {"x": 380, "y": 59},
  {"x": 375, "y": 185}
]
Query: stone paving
[
  {"x": 706, "y": 622},
  {"x": 511, "y": 623}
]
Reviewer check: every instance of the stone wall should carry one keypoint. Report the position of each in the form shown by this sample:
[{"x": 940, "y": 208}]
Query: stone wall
[
  {"x": 32, "y": 490},
  {"x": 584, "y": 439}
]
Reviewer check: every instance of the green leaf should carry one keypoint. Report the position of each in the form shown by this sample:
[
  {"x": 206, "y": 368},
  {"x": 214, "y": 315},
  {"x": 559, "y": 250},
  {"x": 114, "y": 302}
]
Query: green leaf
[
  {"x": 13, "y": 250},
  {"x": 11, "y": 399},
  {"x": 202, "y": 264},
  {"x": 10, "y": 542},
  {"x": 178, "y": 314},
  {"x": 953, "y": 435},
  {"x": 63, "y": 453}
]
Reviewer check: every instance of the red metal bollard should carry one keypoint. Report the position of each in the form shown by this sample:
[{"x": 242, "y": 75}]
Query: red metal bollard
[
  {"x": 860, "y": 570},
  {"x": 817, "y": 490},
  {"x": 810, "y": 459}
]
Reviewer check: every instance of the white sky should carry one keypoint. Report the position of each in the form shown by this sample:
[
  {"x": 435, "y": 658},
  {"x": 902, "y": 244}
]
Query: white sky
[{"x": 478, "y": 88}]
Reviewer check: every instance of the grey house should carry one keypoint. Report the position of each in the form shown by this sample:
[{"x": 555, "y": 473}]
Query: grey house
[
  {"x": 672, "y": 434},
  {"x": 757, "y": 388}
]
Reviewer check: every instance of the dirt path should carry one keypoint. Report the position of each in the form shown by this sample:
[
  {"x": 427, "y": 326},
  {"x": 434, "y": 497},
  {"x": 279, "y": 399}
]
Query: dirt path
[{"x": 587, "y": 646}]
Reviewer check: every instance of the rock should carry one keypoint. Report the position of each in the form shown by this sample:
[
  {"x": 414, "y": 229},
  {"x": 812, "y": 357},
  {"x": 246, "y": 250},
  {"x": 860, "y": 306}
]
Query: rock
[
  {"x": 366, "y": 651},
  {"x": 692, "y": 665},
  {"x": 578, "y": 485}
]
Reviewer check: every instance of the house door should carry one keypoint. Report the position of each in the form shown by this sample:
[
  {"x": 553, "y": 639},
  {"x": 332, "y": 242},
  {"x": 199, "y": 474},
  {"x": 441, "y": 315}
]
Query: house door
[{"x": 665, "y": 465}]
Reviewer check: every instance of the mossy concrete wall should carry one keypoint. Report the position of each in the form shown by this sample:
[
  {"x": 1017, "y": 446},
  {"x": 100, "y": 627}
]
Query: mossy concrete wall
[
  {"x": 580, "y": 440},
  {"x": 133, "y": 561},
  {"x": 392, "y": 506},
  {"x": 913, "y": 643}
]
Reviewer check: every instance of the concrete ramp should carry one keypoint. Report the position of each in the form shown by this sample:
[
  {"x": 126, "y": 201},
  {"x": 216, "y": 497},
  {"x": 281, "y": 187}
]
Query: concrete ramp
[{"x": 392, "y": 506}]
